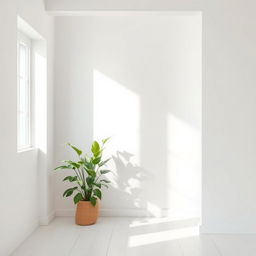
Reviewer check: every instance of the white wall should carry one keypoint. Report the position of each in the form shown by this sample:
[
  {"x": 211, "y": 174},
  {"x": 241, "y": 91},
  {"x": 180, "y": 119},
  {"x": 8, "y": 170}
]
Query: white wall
[
  {"x": 229, "y": 39},
  {"x": 229, "y": 121},
  {"x": 20, "y": 190},
  {"x": 136, "y": 78}
]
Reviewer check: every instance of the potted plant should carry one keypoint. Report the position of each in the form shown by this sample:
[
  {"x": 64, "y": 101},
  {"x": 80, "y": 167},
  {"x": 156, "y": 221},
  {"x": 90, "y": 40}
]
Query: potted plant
[{"x": 88, "y": 181}]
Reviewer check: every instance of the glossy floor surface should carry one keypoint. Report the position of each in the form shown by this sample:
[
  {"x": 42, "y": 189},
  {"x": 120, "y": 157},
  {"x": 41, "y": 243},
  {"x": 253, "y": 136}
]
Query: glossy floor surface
[{"x": 132, "y": 237}]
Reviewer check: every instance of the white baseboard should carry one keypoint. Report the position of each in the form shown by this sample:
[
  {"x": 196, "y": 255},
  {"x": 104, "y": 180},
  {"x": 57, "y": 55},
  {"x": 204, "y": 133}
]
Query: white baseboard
[
  {"x": 131, "y": 213},
  {"x": 107, "y": 213},
  {"x": 46, "y": 220}
]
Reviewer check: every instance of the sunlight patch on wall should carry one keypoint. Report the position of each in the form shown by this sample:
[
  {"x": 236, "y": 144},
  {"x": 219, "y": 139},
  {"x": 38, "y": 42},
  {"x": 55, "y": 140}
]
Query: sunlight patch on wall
[
  {"x": 117, "y": 114},
  {"x": 40, "y": 75},
  {"x": 184, "y": 167}
]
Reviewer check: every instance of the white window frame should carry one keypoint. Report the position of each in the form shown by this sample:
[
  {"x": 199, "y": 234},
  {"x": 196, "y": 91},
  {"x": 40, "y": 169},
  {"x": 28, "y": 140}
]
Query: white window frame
[{"x": 25, "y": 41}]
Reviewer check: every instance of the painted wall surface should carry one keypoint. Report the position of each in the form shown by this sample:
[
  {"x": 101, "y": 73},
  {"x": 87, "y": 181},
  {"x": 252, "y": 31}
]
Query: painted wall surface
[
  {"x": 20, "y": 190},
  {"x": 137, "y": 79},
  {"x": 228, "y": 123}
]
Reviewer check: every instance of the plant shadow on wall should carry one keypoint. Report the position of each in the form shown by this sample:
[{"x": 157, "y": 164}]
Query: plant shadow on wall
[{"x": 130, "y": 180}]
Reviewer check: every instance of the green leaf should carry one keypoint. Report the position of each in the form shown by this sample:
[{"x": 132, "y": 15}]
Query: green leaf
[
  {"x": 69, "y": 192},
  {"x": 91, "y": 173},
  {"x": 98, "y": 154},
  {"x": 67, "y": 178},
  {"x": 96, "y": 160},
  {"x": 105, "y": 140},
  {"x": 88, "y": 165},
  {"x": 73, "y": 164},
  {"x": 104, "y": 171},
  {"x": 78, "y": 197},
  {"x": 70, "y": 178},
  {"x": 89, "y": 181},
  {"x": 97, "y": 193},
  {"x": 105, "y": 185},
  {"x": 78, "y": 151},
  {"x": 97, "y": 185},
  {"x": 104, "y": 162},
  {"x": 87, "y": 159},
  {"x": 62, "y": 167},
  {"x": 95, "y": 148},
  {"x": 106, "y": 181},
  {"x": 76, "y": 165},
  {"x": 93, "y": 200},
  {"x": 74, "y": 179}
]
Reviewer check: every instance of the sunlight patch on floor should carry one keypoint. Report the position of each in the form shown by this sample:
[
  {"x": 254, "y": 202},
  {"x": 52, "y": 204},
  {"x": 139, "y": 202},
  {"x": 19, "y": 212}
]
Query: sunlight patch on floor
[{"x": 167, "y": 235}]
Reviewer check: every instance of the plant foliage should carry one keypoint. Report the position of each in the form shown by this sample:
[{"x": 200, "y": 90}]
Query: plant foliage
[{"x": 88, "y": 174}]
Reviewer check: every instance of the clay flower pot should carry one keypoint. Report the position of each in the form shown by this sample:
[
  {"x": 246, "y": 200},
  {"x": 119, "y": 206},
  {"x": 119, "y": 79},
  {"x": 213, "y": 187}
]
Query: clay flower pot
[{"x": 86, "y": 213}]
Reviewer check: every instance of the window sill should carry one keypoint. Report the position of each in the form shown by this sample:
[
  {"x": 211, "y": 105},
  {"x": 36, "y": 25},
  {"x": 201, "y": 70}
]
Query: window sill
[{"x": 26, "y": 149}]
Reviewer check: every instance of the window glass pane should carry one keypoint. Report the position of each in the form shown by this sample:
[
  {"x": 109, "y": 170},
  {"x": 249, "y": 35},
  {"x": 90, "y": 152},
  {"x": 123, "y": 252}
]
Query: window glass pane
[
  {"x": 23, "y": 114},
  {"x": 22, "y": 130},
  {"x": 23, "y": 60},
  {"x": 22, "y": 96}
]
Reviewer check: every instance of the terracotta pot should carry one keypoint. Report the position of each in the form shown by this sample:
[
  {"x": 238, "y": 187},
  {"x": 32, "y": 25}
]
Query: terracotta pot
[{"x": 86, "y": 213}]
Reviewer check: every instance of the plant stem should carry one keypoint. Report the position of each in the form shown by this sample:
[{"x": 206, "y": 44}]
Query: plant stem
[
  {"x": 79, "y": 177},
  {"x": 84, "y": 183}
]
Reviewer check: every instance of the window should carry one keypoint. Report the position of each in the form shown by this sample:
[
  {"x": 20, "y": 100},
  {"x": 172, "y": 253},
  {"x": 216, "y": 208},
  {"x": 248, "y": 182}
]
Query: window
[{"x": 24, "y": 92}]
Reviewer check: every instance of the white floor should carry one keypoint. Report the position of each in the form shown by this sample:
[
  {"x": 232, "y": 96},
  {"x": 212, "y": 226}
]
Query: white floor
[{"x": 130, "y": 236}]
